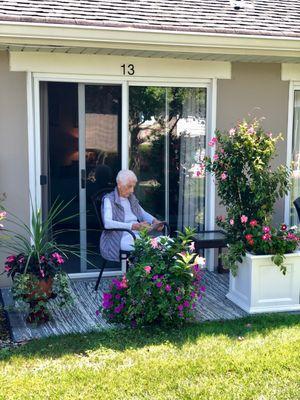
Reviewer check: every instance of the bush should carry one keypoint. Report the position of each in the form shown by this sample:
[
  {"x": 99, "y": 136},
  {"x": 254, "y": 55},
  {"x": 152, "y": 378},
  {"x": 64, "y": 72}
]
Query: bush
[
  {"x": 163, "y": 284},
  {"x": 247, "y": 186}
]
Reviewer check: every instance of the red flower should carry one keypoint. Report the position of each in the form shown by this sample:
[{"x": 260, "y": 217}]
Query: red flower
[
  {"x": 253, "y": 223},
  {"x": 251, "y": 242},
  {"x": 283, "y": 227},
  {"x": 249, "y": 236}
]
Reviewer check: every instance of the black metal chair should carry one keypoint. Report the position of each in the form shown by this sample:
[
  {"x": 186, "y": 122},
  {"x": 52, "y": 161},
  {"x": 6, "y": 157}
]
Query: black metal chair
[
  {"x": 97, "y": 199},
  {"x": 297, "y": 206}
]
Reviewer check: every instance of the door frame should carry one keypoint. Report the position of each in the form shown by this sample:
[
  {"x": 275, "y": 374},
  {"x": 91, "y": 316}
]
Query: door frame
[{"x": 34, "y": 133}]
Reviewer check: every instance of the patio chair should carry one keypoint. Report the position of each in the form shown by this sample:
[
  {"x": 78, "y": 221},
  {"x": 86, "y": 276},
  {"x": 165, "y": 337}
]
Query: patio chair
[
  {"x": 297, "y": 206},
  {"x": 97, "y": 201}
]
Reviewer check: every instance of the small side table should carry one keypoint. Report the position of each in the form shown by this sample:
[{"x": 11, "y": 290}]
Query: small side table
[{"x": 211, "y": 240}]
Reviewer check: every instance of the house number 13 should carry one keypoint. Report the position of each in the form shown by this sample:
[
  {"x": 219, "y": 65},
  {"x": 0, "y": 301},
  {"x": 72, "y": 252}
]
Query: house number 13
[{"x": 128, "y": 69}]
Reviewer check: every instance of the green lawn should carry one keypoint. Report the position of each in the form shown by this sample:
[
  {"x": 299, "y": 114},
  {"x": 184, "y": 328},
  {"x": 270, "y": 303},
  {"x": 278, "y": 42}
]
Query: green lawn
[{"x": 253, "y": 358}]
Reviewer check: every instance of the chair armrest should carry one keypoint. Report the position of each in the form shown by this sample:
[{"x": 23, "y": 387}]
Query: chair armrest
[
  {"x": 167, "y": 226},
  {"x": 122, "y": 230}
]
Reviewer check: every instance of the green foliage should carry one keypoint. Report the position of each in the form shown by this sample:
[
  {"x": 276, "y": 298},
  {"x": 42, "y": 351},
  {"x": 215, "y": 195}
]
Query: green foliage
[
  {"x": 247, "y": 186},
  {"x": 162, "y": 285},
  {"x": 38, "y": 258}
]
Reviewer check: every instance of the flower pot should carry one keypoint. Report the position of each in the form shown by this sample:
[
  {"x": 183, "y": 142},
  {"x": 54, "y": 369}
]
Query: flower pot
[
  {"x": 39, "y": 293},
  {"x": 260, "y": 286}
]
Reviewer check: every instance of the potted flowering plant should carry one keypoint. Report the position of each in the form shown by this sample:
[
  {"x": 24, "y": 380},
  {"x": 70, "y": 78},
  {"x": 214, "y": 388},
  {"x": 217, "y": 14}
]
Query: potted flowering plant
[
  {"x": 35, "y": 264},
  {"x": 163, "y": 284},
  {"x": 264, "y": 276}
]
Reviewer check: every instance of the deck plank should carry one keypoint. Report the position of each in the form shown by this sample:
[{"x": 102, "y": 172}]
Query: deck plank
[{"x": 81, "y": 317}]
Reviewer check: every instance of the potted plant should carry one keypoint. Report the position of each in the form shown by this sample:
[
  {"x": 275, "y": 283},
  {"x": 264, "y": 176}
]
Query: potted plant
[
  {"x": 162, "y": 285},
  {"x": 35, "y": 264},
  {"x": 264, "y": 275}
]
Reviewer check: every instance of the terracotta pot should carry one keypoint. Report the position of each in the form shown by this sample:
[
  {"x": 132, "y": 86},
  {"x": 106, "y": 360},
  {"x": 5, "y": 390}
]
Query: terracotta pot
[{"x": 41, "y": 291}]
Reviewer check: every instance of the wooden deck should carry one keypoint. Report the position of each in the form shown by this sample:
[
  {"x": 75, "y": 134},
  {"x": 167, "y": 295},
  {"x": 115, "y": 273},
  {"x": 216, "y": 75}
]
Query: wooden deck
[{"x": 81, "y": 317}]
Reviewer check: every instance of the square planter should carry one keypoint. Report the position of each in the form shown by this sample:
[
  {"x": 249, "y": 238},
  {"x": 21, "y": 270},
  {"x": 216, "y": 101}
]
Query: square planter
[{"x": 260, "y": 286}]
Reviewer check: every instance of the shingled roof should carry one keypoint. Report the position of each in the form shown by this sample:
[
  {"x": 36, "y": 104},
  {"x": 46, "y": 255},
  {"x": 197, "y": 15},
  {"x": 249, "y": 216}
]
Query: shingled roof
[{"x": 257, "y": 17}]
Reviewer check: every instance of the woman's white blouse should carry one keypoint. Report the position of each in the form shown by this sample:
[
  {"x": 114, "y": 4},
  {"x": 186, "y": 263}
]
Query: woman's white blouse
[{"x": 129, "y": 217}]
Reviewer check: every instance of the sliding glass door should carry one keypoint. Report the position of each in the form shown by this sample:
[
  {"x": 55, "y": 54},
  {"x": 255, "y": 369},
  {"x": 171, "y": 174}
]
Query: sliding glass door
[
  {"x": 81, "y": 154},
  {"x": 167, "y": 137}
]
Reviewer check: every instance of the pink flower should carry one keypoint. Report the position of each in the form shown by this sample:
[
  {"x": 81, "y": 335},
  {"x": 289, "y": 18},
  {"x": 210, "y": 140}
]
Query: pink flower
[
  {"x": 107, "y": 296},
  {"x": 155, "y": 277},
  {"x": 266, "y": 229},
  {"x": 97, "y": 313},
  {"x": 222, "y": 151},
  {"x": 244, "y": 219},
  {"x": 291, "y": 236},
  {"x": 193, "y": 295},
  {"x": 203, "y": 288},
  {"x": 58, "y": 258},
  {"x": 224, "y": 176},
  {"x": 186, "y": 303},
  {"x": 213, "y": 141},
  {"x": 7, "y": 268},
  {"x": 192, "y": 246},
  {"x": 231, "y": 222},
  {"x": 168, "y": 288},
  {"x": 216, "y": 157},
  {"x": 251, "y": 130},
  {"x": 11, "y": 259},
  {"x": 180, "y": 307},
  {"x": 249, "y": 236},
  {"x": 283, "y": 227},
  {"x": 159, "y": 284},
  {"x": 147, "y": 269},
  {"x": 270, "y": 134},
  {"x": 42, "y": 259},
  {"x": 231, "y": 132},
  {"x": 154, "y": 243},
  {"x": 178, "y": 298},
  {"x": 253, "y": 223},
  {"x": 220, "y": 218},
  {"x": 266, "y": 236},
  {"x": 2, "y": 214}
]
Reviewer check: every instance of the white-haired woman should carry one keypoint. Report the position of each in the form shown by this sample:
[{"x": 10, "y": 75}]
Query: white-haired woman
[{"x": 121, "y": 209}]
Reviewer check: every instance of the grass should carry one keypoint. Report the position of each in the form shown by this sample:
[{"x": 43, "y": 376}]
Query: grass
[{"x": 252, "y": 358}]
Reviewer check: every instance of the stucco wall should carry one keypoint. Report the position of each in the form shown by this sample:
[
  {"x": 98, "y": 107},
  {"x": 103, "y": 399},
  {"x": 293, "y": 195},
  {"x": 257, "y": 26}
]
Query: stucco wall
[
  {"x": 255, "y": 89},
  {"x": 13, "y": 144}
]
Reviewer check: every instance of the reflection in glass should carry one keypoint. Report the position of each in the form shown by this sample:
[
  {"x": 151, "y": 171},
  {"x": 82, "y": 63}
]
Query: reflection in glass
[
  {"x": 103, "y": 149},
  {"x": 295, "y": 190},
  {"x": 62, "y": 162},
  {"x": 167, "y": 131}
]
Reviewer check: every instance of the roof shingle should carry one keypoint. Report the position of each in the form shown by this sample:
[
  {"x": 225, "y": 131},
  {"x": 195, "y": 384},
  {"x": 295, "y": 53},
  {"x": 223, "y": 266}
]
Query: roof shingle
[{"x": 257, "y": 17}]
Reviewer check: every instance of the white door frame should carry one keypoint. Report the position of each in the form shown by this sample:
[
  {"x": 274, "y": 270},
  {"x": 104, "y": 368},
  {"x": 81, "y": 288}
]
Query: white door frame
[
  {"x": 293, "y": 86},
  {"x": 34, "y": 132}
]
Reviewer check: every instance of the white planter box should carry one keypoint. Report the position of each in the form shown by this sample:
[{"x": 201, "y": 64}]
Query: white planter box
[{"x": 260, "y": 286}]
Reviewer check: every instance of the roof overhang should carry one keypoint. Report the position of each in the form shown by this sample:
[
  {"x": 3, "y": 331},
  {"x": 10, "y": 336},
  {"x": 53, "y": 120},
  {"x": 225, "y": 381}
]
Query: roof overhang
[{"x": 149, "y": 43}]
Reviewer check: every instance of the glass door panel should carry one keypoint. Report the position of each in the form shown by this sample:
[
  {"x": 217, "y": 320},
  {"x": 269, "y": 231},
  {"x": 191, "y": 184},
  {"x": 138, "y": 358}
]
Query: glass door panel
[
  {"x": 295, "y": 190},
  {"x": 147, "y": 127},
  {"x": 60, "y": 160},
  {"x": 167, "y": 136},
  {"x": 103, "y": 118}
]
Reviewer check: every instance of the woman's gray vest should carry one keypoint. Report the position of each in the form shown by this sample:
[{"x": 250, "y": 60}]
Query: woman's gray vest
[{"x": 110, "y": 241}]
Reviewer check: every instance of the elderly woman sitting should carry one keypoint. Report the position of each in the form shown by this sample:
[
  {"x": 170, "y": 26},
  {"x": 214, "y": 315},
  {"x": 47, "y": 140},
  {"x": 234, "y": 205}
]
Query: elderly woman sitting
[{"x": 121, "y": 209}]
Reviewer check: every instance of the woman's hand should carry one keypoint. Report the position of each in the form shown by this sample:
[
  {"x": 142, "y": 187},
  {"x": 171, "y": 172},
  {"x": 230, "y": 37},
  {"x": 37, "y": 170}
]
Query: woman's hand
[
  {"x": 160, "y": 224},
  {"x": 138, "y": 226}
]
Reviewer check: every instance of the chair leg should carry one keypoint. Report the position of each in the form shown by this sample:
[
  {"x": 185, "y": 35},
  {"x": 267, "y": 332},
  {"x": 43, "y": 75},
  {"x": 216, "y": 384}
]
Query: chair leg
[{"x": 100, "y": 275}]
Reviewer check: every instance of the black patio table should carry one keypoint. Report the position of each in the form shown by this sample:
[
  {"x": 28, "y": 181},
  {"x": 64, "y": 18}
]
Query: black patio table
[{"x": 211, "y": 240}]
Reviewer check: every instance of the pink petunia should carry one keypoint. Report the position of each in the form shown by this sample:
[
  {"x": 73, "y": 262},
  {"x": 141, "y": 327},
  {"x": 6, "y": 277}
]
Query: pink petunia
[
  {"x": 168, "y": 288},
  {"x": 7, "y": 268},
  {"x": 216, "y": 157},
  {"x": 224, "y": 176},
  {"x": 147, "y": 269},
  {"x": 244, "y": 219},
  {"x": 231, "y": 132},
  {"x": 186, "y": 303},
  {"x": 180, "y": 307},
  {"x": 231, "y": 222},
  {"x": 11, "y": 259},
  {"x": 159, "y": 284},
  {"x": 155, "y": 277}
]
